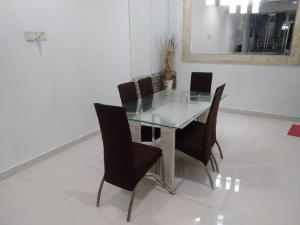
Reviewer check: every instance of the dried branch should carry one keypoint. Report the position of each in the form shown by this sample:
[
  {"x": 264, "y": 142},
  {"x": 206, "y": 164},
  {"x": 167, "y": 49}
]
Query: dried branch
[{"x": 168, "y": 55}]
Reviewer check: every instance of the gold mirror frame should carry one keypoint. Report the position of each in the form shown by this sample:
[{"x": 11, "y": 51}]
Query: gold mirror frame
[{"x": 187, "y": 56}]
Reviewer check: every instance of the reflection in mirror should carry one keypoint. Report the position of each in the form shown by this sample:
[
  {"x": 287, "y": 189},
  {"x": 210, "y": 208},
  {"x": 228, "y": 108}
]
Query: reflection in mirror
[{"x": 242, "y": 26}]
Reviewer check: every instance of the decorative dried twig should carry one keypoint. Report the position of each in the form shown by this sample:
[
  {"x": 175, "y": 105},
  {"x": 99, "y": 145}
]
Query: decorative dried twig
[{"x": 168, "y": 53}]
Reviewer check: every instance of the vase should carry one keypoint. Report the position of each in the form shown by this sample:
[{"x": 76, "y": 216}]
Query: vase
[{"x": 168, "y": 84}]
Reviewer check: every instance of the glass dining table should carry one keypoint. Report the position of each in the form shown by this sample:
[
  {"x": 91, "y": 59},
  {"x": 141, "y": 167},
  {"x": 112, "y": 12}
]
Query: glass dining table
[{"x": 168, "y": 110}]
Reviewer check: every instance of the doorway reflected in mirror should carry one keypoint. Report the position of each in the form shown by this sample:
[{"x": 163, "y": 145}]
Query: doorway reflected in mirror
[{"x": 219, "y": 28}]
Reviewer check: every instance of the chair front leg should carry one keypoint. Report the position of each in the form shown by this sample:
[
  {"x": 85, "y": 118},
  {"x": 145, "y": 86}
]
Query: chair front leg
[
  {"x": 153, "y": 136},
  {"x": 220, "y": 150},
  {"x": 99, "y": 192},
  {"x": 212, "y": 164},
  {"x": 162, "y": 171},
  {"x": 215, "y": 162},
  {"x": 208, "y": 174},
  {"x": 130, "y": 206}
]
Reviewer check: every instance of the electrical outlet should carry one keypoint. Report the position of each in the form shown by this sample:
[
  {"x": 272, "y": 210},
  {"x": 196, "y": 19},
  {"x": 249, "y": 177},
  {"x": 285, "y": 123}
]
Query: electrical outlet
[{"x": 35, "y": 36}]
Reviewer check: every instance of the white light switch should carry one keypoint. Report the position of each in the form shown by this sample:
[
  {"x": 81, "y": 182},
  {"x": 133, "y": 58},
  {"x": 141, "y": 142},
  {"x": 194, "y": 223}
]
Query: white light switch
[{"x": 35, "y": 36}]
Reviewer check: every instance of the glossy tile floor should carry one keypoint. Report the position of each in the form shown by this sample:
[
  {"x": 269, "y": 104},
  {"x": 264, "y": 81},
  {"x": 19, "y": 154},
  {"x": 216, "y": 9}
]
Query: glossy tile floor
[{"x": 259, "y": 184}]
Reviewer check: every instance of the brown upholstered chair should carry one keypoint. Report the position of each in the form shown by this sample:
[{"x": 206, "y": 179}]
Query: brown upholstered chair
[
  {"x": 214, "y": 131},
  {"x": 196, "y": 139},
  {"x": 125, "y": 162},
  {"x": 201, "y": 81},
  {"x": 146, "y": 87},
  {"x": 128, "y": 93}
]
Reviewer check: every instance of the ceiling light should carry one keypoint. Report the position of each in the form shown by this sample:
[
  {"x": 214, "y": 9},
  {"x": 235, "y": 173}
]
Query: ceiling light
[
  {"x": 294, "y": 2},
  {"x": 224, "y": 2},
  {"x": 255, "y": 6},
  {"x": 232, "y": 6},
  {"x": 244, "y": 6},
  {"x": 244, "y": 9},
  {"x": 210, "y": 2}
]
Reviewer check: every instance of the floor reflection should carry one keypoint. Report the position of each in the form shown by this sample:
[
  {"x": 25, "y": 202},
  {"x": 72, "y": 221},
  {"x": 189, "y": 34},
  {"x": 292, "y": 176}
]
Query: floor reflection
[{"x": 228, "y": 183}]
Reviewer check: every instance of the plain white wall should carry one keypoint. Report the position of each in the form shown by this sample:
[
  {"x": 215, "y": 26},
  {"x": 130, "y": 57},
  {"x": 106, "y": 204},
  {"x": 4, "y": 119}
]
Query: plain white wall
[
  {"x": 149, "y": 23},
  {"x": 46, "y": 100},
  {"x": 140, "y": 37},
  {"x": 269, "y": 89},
  {"x": 213, "y": 29}
]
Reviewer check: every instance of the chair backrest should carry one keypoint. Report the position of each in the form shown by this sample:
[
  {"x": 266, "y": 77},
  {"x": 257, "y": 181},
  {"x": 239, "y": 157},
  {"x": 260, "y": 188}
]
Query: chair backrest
[
  {"x": 127, "y": 92},
  {"x": 201, "y": 81},
  {"x": 117, "y": 145},
  {"x": 146, "y": 87},
  {"x": 211, "y": 121},
  {"x": 214, "y": 130}
]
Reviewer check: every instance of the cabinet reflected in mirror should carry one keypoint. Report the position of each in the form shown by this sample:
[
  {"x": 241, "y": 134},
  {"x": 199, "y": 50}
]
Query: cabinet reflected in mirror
[{"x": 218, "y": 27}]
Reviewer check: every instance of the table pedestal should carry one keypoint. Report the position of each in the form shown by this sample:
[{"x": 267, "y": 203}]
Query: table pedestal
[{"x": 167, "y": 144}]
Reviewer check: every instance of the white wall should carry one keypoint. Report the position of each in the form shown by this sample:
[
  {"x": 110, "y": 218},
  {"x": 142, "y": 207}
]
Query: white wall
[
  {"x": 47, "y": 100},
  {"x": 149, "y": 24},
  {"x": 213, "y": 29},
  {"x": 269, "y": 89}
]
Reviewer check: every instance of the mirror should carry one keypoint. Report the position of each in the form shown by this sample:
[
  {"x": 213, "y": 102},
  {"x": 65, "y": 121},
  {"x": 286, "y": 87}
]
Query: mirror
[{"x": 241, "y": 31}]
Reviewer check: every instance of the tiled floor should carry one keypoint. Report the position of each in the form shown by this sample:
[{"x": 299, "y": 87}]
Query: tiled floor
[{"x": 62, "y": 190}]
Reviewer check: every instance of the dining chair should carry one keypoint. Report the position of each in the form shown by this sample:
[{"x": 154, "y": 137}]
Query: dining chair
[
  {"x": 125, "y": 162},
  {"x": 214, "y": 130},
  {"x": 146, "y": 87},
  {"x": 196, "y": 139},
  {"x": 128, "y": 93},
  {"x": 201, "y": 81}
]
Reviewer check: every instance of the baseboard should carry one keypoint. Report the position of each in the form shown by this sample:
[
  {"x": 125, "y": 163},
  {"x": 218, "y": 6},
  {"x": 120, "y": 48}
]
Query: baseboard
[
  {"x": 22, "y": 166},
  {"x": 261, "y": 114}
]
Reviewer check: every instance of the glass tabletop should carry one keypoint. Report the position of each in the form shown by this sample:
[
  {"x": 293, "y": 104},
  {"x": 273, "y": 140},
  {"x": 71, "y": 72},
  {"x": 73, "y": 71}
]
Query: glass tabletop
[{"x": 174, "y": 108}]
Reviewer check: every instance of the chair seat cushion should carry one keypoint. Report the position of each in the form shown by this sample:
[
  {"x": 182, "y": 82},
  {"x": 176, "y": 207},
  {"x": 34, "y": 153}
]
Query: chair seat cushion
[
  {"x": 144, "y": 157},
  {"x": 190, "y": 140},
  {"x": 146, "y": 133}
]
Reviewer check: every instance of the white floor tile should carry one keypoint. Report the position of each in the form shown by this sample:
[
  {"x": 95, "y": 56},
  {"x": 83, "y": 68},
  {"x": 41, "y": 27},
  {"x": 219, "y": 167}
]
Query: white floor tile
[{"x": 257, "y": 153}]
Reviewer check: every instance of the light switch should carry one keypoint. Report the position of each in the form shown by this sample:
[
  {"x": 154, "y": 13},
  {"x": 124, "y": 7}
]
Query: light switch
[{"x": 35, "y": 36}]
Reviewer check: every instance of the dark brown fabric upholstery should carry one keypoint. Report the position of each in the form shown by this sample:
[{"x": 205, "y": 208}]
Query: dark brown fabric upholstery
[
  {"x": 146, "y": 133},
  {"x": 201, "y": 81},
  {"x": 146, "y": 87},
  {"x": 125, "y": 162},
  {"x": 214, "y": 130},
  {"x": 128, "y": 93},
  {"x": 144, "y": 157},
  {"x": 196, "y": 139},
  {"x": 191, "y": 141}
]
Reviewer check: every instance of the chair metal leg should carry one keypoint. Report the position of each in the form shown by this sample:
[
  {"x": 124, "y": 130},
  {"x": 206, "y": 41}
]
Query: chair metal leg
[
  {"x": 209, "y": 176},
  {"x": 155, "y": 178},
  {"x": 99, "y": 192},
  {"x": 215, "y": 162},
  {"x": 163, "y": 171},
  {"x": 153, "y": 136},
  {"x": 212, "y": 164},
  {"x": 220, "y": 150},
  {"x": 130, "y": 206}
]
